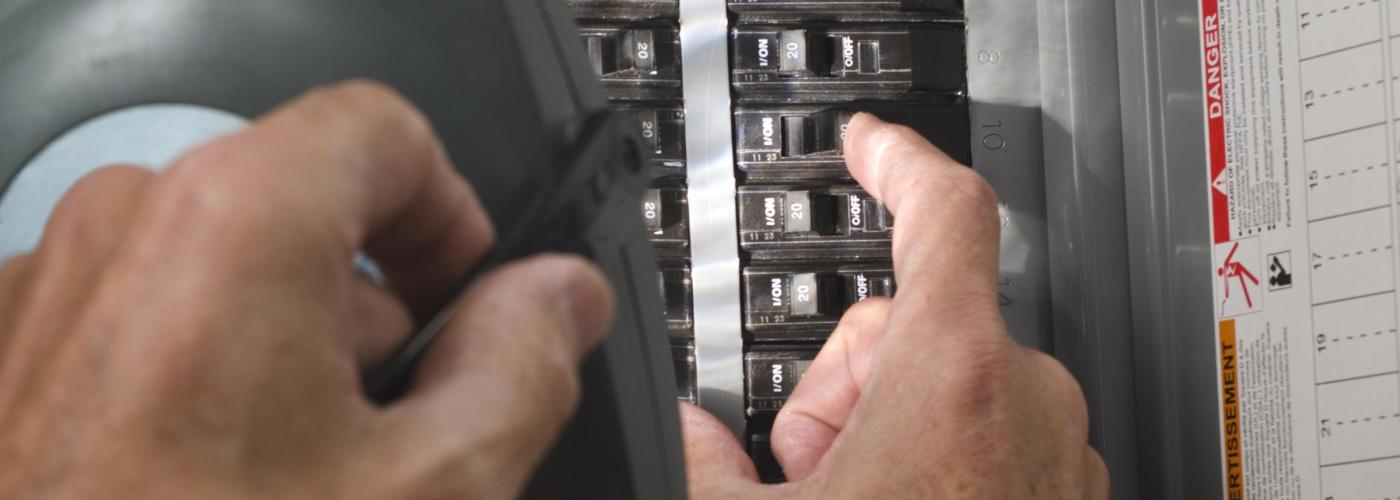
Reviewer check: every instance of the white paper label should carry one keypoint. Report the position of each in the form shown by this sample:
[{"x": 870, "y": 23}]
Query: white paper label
[{"x": 1301, "y": 106}]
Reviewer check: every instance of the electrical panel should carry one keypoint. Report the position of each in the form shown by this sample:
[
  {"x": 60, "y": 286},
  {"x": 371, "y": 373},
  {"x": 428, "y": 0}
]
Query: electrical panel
[
  {"x": 809, "y": 243},
  {"x": 634, "y": 49},
  {"x": 812, "y": 242}
]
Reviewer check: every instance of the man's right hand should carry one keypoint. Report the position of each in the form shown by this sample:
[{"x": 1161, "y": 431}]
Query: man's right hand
[{"x": 924, "y": 395}]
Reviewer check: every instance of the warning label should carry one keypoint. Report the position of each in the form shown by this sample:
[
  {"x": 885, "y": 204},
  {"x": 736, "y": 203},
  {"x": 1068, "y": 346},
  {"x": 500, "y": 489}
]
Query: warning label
[
  {"x": 1230, "y": 411},
  {"x": 1302, "y": 99}
]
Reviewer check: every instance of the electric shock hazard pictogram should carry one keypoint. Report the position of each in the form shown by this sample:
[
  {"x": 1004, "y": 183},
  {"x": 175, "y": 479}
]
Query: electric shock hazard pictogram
[{"x": 1241, "y": 291}]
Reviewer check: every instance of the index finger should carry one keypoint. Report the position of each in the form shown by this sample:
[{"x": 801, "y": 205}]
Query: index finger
[{"x": 946, "y": 235}]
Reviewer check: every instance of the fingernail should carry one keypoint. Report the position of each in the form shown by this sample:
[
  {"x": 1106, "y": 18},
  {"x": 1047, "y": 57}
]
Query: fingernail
[
  {"x": 860, "y": 121},
  {"x": 875, "y": 134},
  {"x": 865, "y": 120}
]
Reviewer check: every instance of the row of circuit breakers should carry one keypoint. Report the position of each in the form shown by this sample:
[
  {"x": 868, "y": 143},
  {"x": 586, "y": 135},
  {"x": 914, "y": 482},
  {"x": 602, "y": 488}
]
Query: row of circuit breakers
[{"x": 812, "y": 243}]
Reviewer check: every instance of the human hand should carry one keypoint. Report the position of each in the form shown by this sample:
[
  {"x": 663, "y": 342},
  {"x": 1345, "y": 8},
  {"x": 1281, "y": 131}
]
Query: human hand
[
  {"x": 200, "y": 333},
  {"x": 923, "y": 395}
]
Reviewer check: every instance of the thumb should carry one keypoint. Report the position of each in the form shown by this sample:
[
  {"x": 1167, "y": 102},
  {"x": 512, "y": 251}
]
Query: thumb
[
  {"x": 716, "y": 465},
  {"x": 491, "y": 395},
  {"x": 819, "y": 408}
]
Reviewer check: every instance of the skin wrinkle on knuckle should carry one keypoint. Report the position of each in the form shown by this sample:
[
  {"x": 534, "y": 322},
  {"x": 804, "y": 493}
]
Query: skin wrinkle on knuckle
[
  {"x": 935, "y": 310},
  {"x": 483, "y": 464},
  {"x": 534, "y": 346},
  {"x": 397, "y": 254},
  {"x": 357, "y": 91},
  {"x": 958, "y": 216},
  {"x": 869, "y": 312},
  {"x": 229, "y": 217},
  {"x": 976, "y": 376},
  {"x": 71, "y": 222},
  {"x": 960, "y": 195},
  {"x": 876, "y": 145},
  {"x": 462, "y": 468},
  {"x": 973, "y": 189},
  {"x": 559, "y": 389},
  {"x": 896, "y": 149},
  {"x": 386, "y": 108},
  {"x": 871, "y": 317},
  {"x": 205, "y": 183},
  {"x": 70, "y": 232},
  {"x": 392, "y": 122}
]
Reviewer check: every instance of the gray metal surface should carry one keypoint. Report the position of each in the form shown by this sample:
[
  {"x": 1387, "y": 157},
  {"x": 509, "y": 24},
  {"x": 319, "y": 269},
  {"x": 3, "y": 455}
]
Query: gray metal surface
[
  {"x": 1169, "y": 249},
  {"x": 719, "y": 341},
  {"x": 1004, "y": 90},
  {"x": 149, "y": 135},
  {"x": 1086, "y": 224}
]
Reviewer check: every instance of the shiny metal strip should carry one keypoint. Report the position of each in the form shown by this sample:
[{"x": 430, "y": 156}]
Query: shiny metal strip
[{"x": 719, "y": 344}]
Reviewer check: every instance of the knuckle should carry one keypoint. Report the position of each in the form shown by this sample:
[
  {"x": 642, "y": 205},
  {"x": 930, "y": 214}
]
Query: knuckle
[
  {"x": 105, "y": 178},
  {"x": 375, "y": 100},
  {"x": 975, "y": 361},
  {"x": 1102, "y": 481},
  {"x": 870, "y": 309},
  {"x": 14, "y": 271},
  {"x": 978, "y": 374},
  {"x": 867, "y": 318},
  {"x": 356, "y": 90},
  {"x": 561, "y": 385},
  {"x": 1063, "y": 391},
  {"x": 966, "y": 187},
  {"x": 458, "y": 467},
  {"x": 209, "y": 186},
  {"x": 551, "y": 375},
  {"x": 210, "y": 164},
  {"x": 563, "y": 394},
  {"x": 82, "y": 216}
]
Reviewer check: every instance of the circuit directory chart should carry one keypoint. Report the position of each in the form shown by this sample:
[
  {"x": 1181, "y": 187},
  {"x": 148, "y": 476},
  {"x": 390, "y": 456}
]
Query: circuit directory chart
[{"x": 1302, "y": 108}]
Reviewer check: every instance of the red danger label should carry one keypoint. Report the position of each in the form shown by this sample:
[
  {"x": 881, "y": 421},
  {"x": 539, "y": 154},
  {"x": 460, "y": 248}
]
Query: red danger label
[{"x": 1215, "y": 118}]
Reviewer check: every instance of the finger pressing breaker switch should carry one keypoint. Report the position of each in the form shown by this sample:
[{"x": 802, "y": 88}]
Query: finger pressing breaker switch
[
  {"x": 793, "y": 142},
  {"x": 773, "y": 374}
]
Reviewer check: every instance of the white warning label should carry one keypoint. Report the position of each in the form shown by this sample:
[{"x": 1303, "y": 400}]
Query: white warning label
[{"x": 1301, "y": 106}]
